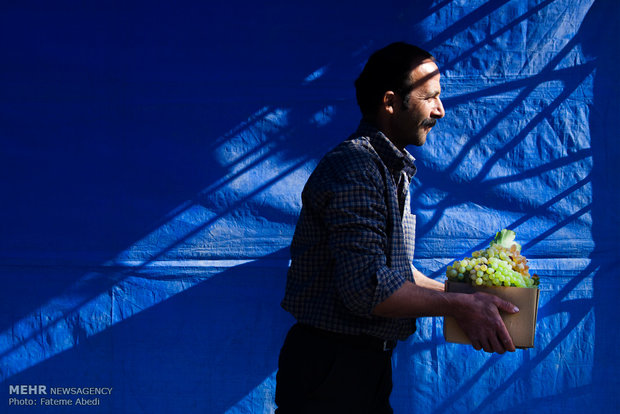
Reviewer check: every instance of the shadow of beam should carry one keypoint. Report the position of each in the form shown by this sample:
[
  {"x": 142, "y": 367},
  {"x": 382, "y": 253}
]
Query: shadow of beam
[{"x": 187, "y": 354}]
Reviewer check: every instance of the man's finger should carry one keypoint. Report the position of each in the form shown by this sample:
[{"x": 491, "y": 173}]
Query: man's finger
[
  {"x": 497, "y": 345},
  {"x": 506, "y": 306},
  {"x": 486, "y": 345},
  {"x": 505, "y": 339}
]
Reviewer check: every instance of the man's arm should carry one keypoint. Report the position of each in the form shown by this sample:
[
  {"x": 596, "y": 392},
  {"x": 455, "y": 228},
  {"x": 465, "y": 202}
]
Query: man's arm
[
  {"x": 477, "y": 314},
  {"x": 425, "y": 281}
]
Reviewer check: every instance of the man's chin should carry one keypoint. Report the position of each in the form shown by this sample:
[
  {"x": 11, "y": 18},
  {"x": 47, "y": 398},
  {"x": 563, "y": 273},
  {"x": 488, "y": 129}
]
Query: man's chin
[{"x": 421, "y": 138}]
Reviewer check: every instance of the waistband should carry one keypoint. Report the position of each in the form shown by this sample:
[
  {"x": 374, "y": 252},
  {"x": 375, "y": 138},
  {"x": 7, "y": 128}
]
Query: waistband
[{"x": 354, "y": 341}]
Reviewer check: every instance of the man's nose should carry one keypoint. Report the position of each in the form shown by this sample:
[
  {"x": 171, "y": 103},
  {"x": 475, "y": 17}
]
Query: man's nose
[{"x": 438, "y": 111}]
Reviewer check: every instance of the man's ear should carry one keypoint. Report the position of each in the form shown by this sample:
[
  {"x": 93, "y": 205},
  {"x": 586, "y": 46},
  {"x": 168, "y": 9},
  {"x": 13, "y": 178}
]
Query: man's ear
[{"x": 389, "y": 102}]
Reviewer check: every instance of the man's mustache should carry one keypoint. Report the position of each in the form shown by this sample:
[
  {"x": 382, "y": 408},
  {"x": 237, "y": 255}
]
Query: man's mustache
[{"x": 429, "y": 122}]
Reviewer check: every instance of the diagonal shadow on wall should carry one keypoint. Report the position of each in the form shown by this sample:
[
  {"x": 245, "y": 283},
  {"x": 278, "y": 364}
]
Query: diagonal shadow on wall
[{"x": 190, "y": 353}]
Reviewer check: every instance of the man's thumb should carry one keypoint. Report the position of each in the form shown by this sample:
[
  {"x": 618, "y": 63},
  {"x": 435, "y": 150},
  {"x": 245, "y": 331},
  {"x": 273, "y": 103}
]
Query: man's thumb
[{"x": 507, "y": 307}]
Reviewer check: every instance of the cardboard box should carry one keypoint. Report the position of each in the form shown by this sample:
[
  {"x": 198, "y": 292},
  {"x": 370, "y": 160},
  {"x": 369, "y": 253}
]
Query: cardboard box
[{"x": 521, "y": 326}]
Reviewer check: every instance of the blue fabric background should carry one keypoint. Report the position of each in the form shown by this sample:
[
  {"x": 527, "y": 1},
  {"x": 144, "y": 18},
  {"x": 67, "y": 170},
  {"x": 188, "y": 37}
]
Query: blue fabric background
[{"x": 153, "y": 156}]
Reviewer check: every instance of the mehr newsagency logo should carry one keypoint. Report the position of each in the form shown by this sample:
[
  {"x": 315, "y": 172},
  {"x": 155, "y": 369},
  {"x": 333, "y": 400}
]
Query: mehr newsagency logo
[{"x": 43, "y": 395}]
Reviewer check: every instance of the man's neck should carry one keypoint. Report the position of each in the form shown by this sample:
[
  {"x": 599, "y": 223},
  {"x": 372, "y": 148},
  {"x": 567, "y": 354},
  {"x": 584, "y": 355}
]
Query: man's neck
[{"x": 384, "y": 127}]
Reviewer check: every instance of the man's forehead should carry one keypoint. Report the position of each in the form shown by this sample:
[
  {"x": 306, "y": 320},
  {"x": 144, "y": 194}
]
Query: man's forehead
[
  {"x": 425, "y": 70},
  {"x": 425, "y": 75}
]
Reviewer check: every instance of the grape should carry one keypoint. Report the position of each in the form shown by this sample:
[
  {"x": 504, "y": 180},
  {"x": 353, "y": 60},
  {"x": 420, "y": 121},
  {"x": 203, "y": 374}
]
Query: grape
[{"x": 494, "y": 266}]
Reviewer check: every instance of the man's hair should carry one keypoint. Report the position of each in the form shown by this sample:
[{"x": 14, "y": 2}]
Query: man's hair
[{"x": 387, "y": 69}]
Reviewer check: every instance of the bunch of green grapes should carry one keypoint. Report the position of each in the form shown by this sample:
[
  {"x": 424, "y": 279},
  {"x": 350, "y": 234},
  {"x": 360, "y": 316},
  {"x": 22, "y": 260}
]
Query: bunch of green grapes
[{"x": 497, "y": 265}]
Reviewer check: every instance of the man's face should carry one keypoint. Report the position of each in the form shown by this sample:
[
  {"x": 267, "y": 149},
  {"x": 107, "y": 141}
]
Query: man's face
[{"x": 416, "y": 113}]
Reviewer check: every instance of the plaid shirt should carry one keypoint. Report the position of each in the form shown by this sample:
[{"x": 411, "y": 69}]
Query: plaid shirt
[{"x": 353, "y": 244}]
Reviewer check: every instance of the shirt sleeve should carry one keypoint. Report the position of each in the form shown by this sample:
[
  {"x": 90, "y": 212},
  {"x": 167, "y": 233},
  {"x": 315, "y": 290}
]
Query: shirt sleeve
[{"x": 357, "y": 218}]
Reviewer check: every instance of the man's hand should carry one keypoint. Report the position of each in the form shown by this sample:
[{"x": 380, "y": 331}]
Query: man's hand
[{"x": 479, "y": 318}]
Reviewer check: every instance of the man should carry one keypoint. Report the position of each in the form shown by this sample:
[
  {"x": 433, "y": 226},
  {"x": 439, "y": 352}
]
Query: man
[{"x": 351, "y": 285}]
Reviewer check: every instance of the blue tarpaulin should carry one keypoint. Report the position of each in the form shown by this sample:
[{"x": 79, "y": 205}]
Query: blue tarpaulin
[{"x": 152, "y": 163}]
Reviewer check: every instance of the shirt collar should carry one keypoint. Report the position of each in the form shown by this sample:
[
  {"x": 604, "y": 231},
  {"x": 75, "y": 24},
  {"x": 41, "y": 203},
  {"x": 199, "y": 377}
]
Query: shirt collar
[{"x": 394, "y": 158}]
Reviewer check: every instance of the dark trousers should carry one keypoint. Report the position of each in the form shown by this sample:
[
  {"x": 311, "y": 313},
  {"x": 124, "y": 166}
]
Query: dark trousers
[{"x": 321, "y": 373}]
